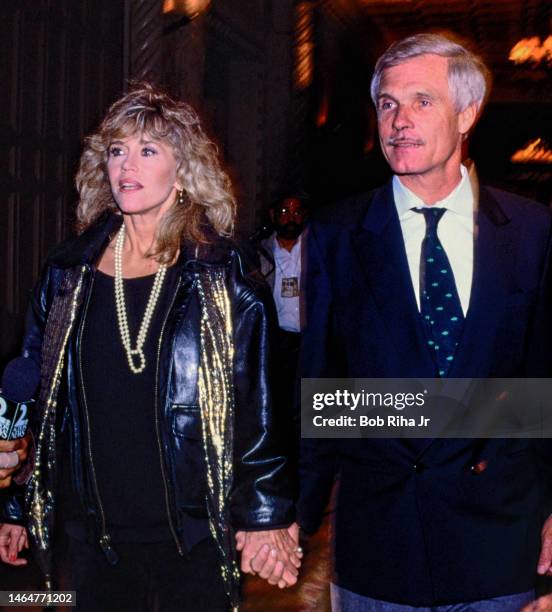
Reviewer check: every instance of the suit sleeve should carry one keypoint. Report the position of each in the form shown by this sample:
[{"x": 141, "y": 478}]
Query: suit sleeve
[
  {"x": 539, "y": 365},
  {"x": 539, "y": 351},
  {"x": 317, "y": 456}
]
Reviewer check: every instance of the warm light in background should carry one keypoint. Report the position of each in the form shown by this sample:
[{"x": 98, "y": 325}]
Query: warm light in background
[
  {"x": 535, "y": 152},
  {"x": 189, "y": 8},
  {"x": 531, "y": 50},
  {"x": 322, "y": 114},
  {"x": 368, "y": 145},
  {"x": 304, "y": 45}
]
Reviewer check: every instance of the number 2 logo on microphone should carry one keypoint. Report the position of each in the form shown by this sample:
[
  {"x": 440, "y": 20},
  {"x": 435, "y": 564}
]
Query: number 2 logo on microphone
[{"x": 5, "y": 423}]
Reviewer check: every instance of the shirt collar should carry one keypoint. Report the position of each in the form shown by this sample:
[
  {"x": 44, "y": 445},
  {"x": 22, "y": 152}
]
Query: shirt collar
[{"x": 459, "y": 200}]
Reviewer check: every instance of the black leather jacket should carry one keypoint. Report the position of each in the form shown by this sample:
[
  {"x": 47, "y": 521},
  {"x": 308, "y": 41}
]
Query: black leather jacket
[{"x": 261, "y": 492}]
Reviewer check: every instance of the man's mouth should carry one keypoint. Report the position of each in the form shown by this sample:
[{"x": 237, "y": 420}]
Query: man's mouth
[
  {"x": 290, "y": 230},
  {"x": 404, "y": 142}
]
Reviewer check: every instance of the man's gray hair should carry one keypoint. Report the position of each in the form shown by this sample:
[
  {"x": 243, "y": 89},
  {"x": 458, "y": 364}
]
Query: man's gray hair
[{"x": 468, "y": 77}]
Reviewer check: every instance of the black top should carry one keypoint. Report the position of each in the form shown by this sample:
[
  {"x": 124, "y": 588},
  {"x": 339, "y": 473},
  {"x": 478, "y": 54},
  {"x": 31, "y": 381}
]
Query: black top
[{"x": 121, "y": 408}]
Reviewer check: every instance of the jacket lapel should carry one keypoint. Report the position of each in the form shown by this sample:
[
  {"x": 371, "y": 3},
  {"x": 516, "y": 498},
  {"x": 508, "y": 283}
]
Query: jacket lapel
[
  {"x": 494, "y": 263},
  {"x": 494, "y": 258},
  {"x": 379, "y": 246}
]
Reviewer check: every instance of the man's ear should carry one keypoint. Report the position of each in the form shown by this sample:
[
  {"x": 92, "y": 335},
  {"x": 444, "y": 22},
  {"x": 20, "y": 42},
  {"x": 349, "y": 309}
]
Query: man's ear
[{"x": 466, "y": 119}]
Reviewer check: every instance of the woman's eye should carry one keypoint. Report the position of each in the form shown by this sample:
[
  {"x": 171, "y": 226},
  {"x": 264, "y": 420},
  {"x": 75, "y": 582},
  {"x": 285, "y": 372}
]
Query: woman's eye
[
  {"x": 115, "y": 151},
  {"x": 148, "y": 151}
]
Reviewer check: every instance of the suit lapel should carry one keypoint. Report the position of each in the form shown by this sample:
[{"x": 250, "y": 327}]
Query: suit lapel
[
  {"x": 379, "y": 246},
  {"x": 494, "y": 260}
]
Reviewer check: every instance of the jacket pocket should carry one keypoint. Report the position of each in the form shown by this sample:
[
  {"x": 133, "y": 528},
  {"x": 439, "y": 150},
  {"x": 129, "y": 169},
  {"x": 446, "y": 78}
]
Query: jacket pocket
[
  {"x": 189, "y": 460},
  {"x": 186, "y": 421}
]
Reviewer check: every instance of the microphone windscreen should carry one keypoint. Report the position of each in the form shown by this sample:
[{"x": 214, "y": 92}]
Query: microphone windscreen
[{"x": 20, "y": 379}]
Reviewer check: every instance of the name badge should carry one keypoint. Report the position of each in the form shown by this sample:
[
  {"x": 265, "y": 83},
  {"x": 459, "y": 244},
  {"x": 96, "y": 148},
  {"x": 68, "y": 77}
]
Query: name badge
[{"x": 290, "y": 287}]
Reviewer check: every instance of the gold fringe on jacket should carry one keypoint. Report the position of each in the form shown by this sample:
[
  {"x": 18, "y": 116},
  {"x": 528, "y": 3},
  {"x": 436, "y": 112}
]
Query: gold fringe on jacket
[
  {"x": 39, "y": 496},
  {"x": 216, "y": 400}
]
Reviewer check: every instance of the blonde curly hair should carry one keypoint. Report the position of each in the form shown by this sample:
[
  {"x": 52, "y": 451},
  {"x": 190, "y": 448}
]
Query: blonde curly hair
[{"x": 206, "y": 187}]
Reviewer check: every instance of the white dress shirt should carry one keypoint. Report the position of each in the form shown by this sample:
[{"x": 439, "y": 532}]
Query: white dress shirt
[
  {"x": 455, "y": 231},
  {"x": 287, "y": 264}
]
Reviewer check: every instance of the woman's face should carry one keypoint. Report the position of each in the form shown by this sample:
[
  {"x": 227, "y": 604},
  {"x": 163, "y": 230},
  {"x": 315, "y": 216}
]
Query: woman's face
[{"x": 142, "y": 174}]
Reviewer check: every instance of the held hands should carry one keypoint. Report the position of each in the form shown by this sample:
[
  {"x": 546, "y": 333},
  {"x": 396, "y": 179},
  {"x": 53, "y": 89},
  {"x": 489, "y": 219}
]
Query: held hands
[
  {"x": 13, "y": 539},
  {"x": 274, "y": 554}
]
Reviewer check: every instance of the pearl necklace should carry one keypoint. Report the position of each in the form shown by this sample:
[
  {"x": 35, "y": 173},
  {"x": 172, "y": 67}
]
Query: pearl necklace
[{"x": 137, "y": 353}]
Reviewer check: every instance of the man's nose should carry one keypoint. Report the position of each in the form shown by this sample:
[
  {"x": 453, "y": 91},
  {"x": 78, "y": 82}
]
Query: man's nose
[{"x": 402, "y": 119}]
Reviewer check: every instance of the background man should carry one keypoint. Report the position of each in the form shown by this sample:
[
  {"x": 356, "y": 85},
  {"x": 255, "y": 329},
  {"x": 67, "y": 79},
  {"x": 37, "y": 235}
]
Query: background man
[
  {"x": 424, "y": 278},
  {"x": 280, "y": 262},
  {"x": 280, "y": 258}
]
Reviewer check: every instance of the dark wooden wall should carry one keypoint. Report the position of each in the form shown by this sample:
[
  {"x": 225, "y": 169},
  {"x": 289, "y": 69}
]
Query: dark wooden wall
[
  {"x": 61, "y": 65},
  {"x": 235, "y": 65}
]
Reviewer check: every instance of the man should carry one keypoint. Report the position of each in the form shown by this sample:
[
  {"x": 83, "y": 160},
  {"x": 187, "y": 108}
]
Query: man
[
  {"x": 429, "y": 523},
  {"x": 280, "y": 263},
  {"x": 280, "y": 258}
]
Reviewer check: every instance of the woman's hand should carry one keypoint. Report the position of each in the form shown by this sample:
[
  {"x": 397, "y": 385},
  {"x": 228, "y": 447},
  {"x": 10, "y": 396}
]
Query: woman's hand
[
  {"x": 274, "y": 554},
  {"x": 13, "y": 539}
]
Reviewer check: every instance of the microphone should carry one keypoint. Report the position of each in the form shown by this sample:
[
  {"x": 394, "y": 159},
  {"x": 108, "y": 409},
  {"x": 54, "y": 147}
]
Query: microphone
[{"x": 19, "y": 382}]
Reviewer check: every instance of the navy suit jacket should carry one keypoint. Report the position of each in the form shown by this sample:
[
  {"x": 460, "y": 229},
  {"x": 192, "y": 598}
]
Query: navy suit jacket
[{"x": 414, "y": 523}]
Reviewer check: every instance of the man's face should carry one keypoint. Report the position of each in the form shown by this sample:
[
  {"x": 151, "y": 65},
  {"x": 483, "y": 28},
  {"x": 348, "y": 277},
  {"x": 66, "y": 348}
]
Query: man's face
[
  {"x": 289, "y": 218},
  {"x": 419, "y": 129}
]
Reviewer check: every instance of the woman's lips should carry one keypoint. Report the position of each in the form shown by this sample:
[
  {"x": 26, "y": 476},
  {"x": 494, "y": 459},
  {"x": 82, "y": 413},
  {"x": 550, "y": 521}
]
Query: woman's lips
[{"x": 129, "y": 185}]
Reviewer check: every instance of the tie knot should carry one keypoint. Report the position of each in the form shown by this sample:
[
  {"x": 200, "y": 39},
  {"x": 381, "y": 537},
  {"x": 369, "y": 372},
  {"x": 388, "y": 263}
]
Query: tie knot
[{"x": 432, "y": 216}]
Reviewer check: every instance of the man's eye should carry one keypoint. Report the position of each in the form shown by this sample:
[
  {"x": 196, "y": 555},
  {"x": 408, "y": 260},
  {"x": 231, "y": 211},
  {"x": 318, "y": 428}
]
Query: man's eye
[
  {"x": 386, "y": 105},
  {"x": 425, "y": 103},
  {"x": 115, "y": 151}
]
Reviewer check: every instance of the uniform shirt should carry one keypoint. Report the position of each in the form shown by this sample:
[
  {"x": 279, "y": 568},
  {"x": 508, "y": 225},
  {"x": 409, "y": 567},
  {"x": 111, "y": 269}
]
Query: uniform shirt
[{"x": 287, "y": 264}]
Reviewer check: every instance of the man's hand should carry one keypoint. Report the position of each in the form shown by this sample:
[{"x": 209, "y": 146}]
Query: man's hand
[
  {"x": 545, "y": 560},
  {"x": 13, "y": 539},
  {"x": 13, "y": 454},
  {"x": 542, "y": 604},
  {"x": 273, "y": 554}
]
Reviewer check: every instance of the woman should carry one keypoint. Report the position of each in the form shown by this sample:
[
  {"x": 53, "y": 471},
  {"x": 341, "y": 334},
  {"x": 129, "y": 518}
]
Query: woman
[{"x": 155, "y": 439}]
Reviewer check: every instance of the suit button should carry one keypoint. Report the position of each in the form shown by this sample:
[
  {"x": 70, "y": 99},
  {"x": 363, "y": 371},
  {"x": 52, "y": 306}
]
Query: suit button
[{"x": 419, "y": 467}]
